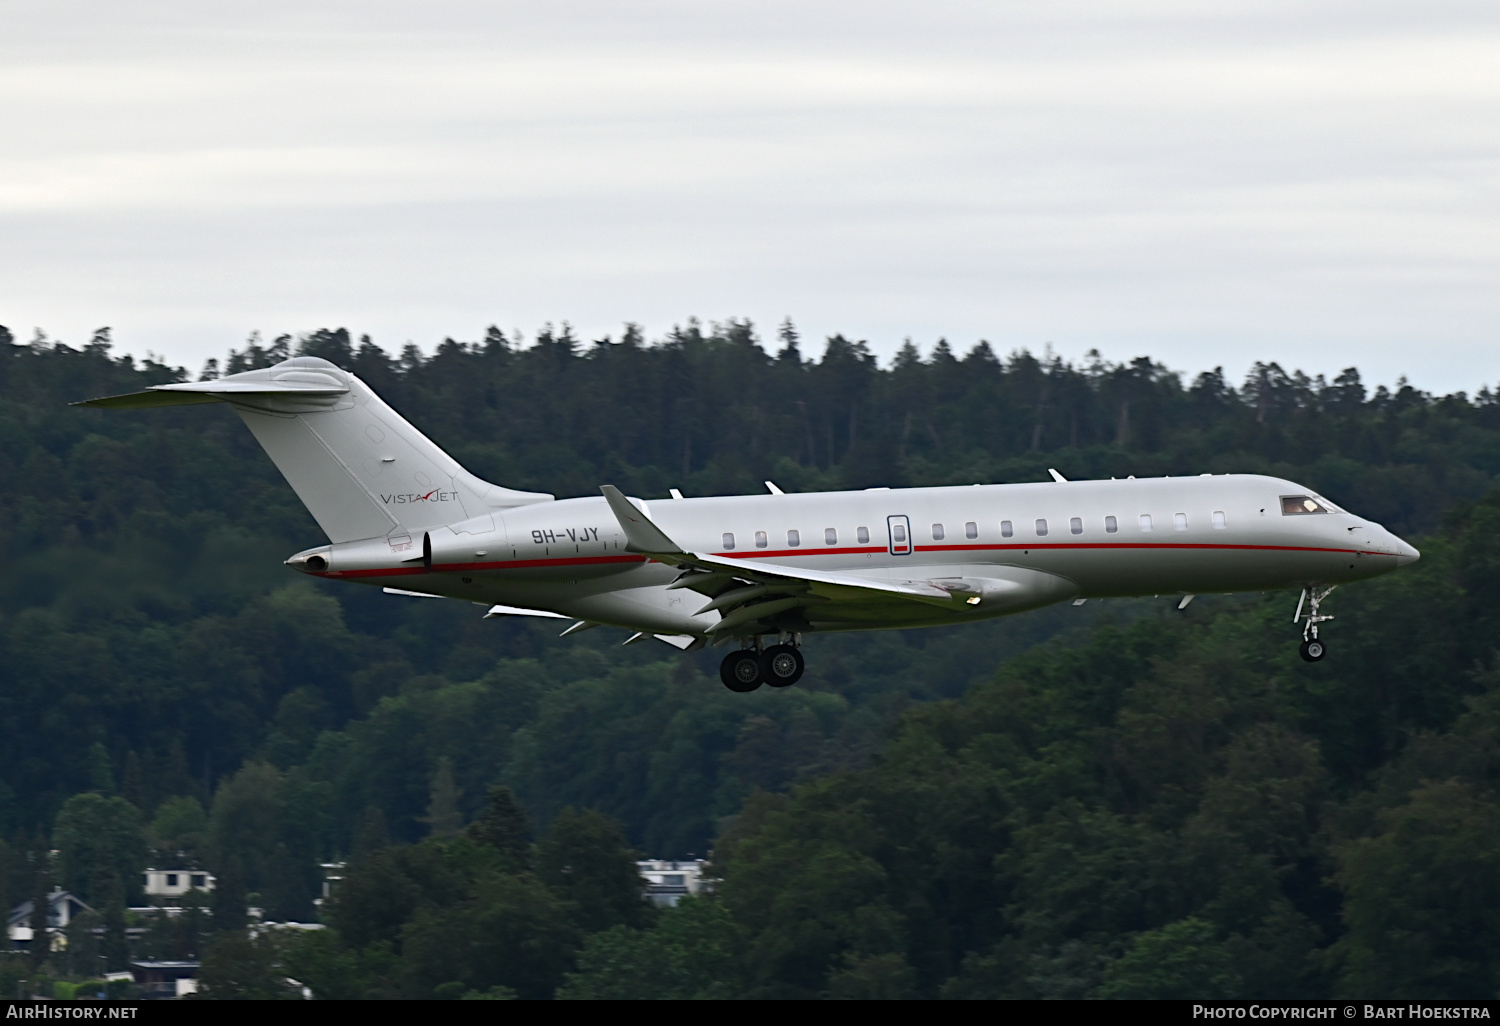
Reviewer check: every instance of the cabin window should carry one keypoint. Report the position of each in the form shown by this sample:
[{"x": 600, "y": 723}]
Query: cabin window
[
  {"x": 937, "y": 532},
  {"x": 793, "y": 539},
  {"x": 862, "y": 535},
  {"x": 728, "y": 539},
  {"x": 1145, "y": 521},
  {"x": 1179, "y": 521},
  {"x": 1219, "y": 523},
  {"x": 1041, "y": 528},
  {"x": 830, "y": 536},
  {"x": 760, "y": 539},
  {"x": 1006, "y": 530},
  {"x": 971, "y": 530},
  {"x": 1076, "y": 525},
  {"x": 1111, "y": 525},
  {"x": 1300, "y": 505},
  {"x": 898, "y": 533}
]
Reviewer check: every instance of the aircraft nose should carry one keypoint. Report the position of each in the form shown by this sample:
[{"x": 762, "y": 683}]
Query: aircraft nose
[{"x": 1405, "y": 553}]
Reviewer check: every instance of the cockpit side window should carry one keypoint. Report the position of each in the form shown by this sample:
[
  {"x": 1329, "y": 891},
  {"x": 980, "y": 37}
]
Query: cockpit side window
[{"x": 1301, "y": 505}]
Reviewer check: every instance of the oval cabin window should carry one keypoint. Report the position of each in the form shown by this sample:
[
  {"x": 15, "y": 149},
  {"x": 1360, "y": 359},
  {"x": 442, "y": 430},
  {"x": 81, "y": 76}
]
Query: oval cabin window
[
  {"x": 1006, "y": 529},
  {"x": 1179, "y": 521},
  {"x": 1145, "y": 521},
  {"x": 1041, "y": 528},
  {"x": 830, "y": 536},
  {"x": 793, "y": 539},
  {"x": 760, "y": 539},
  {"x": 1076, "y": 525},
  {"x": 937, "y": 532},
  {"x": 971, "y": 530},
  {"x": 1219, "y": 523},
  {"x": 1111, "y": 525},
  {"x": 728, "y": 540}
]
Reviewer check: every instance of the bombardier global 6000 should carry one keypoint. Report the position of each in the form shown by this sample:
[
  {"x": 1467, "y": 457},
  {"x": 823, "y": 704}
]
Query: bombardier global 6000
[{"x": 761, "y": 571}]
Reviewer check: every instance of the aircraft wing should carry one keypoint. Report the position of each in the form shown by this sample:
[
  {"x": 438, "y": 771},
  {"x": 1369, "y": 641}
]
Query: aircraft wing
[{"x": 747, "y": 592}]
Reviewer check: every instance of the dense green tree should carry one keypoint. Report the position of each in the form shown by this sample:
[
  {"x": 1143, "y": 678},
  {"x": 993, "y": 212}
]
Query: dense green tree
[
  {"x": 503, "y": 826},
  {"x": 238, "y": 966},
  {"x": 510, "y": 932},
  {"x": 101, "y": 846},
  {"x": 230, "y": 899},
  {"x": 691, "y": 952},
  {"x": 179, "y": 831},
  {"x": 1418, "y": 895},
  {"x": 1181, "y": 960},
  {"x": 586, "y": 862},
  {"x": 444, "y": 817}
]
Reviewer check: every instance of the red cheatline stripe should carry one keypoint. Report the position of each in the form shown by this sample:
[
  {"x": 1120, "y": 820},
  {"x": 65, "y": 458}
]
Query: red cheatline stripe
[
  {"x": 781, "y": 553},
  {"x": 1140, "y": 545}
]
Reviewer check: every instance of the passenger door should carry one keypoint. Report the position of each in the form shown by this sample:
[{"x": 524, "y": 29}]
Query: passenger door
[{"x": 900, "y": 535}]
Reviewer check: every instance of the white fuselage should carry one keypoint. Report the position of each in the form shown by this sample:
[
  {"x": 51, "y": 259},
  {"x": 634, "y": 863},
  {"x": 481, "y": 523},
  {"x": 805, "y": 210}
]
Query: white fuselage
[{"x": 1099, "y": 538}]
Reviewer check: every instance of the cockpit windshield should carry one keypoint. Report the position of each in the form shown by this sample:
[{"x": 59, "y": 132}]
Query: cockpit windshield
[{"x": 1301, "y": 505}]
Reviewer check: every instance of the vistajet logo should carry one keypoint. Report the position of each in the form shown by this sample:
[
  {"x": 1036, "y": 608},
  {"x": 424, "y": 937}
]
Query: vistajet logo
[{"x": 433, "y": 496}]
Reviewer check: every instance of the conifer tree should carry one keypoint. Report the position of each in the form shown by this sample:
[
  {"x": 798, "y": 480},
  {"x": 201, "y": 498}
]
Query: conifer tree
[
  {"x": 503, "y": 827},
  {"x": 444, "y": 817}
]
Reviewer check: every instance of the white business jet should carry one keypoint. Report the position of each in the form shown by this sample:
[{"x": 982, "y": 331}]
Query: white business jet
[{"x": 764, "y": 570}]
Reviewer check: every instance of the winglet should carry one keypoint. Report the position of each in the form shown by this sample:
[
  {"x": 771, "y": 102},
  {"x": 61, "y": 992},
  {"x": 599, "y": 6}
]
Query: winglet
[{"x": 641, "y": 535}]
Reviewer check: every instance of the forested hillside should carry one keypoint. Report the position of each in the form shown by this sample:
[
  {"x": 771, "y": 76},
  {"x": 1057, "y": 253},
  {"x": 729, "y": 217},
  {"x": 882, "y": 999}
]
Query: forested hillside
[{"x": 1117, "y": 799}]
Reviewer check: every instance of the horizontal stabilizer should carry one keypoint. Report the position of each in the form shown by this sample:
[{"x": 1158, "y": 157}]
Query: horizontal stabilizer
[
  {"x": 188, "y": 392},
  {"x": 146, "y": 400}
]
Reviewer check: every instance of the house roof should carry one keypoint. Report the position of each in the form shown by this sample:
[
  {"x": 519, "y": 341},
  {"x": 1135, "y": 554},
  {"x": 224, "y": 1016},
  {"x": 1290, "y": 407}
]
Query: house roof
[{"x": 22, "y": 912}]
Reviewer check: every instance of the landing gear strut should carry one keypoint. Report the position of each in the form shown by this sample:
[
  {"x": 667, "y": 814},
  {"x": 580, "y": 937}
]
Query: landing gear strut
[
  {"x": 780, "y": 666},
  {"x": 1312, "y": 649}
]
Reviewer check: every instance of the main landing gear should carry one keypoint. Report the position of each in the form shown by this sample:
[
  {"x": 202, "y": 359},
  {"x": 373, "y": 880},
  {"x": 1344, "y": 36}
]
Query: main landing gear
[
  {"x": 779, "y": 666},
  {"x": 1312, "y": 649}
]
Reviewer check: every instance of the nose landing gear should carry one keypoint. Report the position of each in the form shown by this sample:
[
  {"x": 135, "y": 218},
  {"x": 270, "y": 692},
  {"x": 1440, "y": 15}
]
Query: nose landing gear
[
  {"x": 1312, "y": 649},
  {"x": 780, "y": 666}
]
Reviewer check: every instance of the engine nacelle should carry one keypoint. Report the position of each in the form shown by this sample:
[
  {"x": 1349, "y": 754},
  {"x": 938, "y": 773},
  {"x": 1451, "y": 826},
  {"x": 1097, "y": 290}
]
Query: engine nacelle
[
  {"x": 452, "y": 547},
  {"x": 460, "y": 546}
]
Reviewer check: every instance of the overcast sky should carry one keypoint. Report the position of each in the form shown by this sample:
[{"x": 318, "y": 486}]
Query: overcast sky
[{"x": 1205, "y": 183}]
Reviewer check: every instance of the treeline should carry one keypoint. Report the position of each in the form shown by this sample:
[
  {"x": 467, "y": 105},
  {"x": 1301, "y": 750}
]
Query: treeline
[{"x": 158, "y": 669}]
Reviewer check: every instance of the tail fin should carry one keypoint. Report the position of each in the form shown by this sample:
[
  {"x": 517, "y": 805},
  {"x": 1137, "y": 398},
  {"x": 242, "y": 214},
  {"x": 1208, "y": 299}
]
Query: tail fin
[{"x": 360, "y": 469}]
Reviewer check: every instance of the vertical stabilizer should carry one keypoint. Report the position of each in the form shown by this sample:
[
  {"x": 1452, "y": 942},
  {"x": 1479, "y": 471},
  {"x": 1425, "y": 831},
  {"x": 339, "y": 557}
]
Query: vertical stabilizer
[{"x": 360, "y": 468}]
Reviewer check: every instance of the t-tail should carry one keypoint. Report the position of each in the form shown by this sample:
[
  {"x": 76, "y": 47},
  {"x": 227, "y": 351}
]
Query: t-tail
[{"x": 359, "y": 467}]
